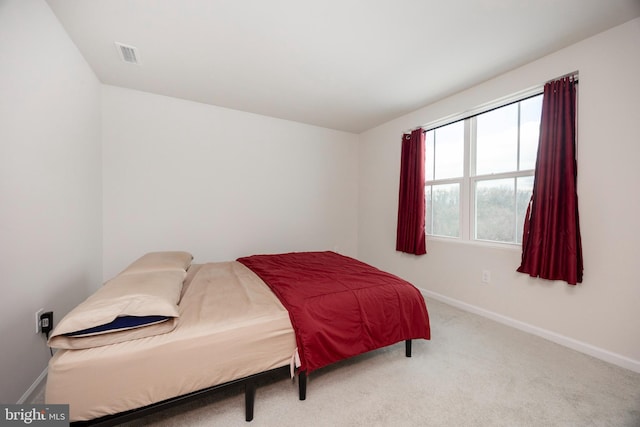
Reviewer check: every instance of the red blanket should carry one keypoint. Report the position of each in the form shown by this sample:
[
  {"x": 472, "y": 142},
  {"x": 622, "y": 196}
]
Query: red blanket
[{"x": 341, "y": 307}]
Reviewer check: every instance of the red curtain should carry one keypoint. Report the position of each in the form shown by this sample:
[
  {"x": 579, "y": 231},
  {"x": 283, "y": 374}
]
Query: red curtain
[
  {"x": 551, "y": 244},
  {"x": 411, "y": 205}
]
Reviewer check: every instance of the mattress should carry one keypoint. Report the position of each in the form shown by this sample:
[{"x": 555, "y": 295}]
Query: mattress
[{"x": 231, "y": 326}]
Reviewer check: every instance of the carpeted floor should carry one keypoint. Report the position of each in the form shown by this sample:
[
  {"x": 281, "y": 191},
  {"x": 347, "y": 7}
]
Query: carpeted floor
[{"x": 473, "y": 372}]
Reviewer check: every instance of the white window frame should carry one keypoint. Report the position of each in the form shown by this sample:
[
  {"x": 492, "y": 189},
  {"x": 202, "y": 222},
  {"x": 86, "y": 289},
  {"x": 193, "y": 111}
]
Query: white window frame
[{"x": 467, "y": 225}]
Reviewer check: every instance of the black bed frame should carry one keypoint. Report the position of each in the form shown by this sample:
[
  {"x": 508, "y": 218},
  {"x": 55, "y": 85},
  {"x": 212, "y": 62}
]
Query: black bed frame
[{"x": 250, "y": 385}]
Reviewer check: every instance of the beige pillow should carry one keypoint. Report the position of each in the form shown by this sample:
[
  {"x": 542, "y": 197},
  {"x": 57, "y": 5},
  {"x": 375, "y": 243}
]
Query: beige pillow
[
  {"x": 139, "y": 295},
  {"x": 160, "y": 261},
  {"x": 90, "y": 341}
]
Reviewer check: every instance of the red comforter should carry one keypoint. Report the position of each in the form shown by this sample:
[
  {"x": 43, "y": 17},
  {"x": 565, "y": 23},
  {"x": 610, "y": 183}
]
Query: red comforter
[{"x": 341, "y": 307}]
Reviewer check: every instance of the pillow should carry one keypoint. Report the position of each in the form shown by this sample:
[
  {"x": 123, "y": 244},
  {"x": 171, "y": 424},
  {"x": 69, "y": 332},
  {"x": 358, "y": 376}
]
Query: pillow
[
  {"x": 99, "y": 340},
  {"x": 96, "y": 322},
  {"x": 120, "y": 323},
  {"x": 160, "y": 261}
]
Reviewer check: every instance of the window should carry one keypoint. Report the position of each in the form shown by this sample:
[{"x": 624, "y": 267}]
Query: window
[{"x": 479, "y": 173}]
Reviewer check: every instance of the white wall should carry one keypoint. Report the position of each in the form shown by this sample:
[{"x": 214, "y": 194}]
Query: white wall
[
  {"x": 220, "y": 183},
  {"x": 600, "y": 316},
  {"x": 50, "y": 184}
]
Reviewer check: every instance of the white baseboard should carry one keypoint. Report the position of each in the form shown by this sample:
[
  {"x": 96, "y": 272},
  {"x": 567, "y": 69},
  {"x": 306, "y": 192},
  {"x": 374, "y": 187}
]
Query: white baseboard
[
  {"x": 29, "y": 394},
  {"x": 599, "y": 353}
]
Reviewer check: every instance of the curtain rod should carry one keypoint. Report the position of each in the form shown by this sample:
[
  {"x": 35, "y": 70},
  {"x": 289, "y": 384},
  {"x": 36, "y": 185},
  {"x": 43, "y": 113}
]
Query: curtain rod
[
  {"x": 573, "y": 74},
  {"x": 472, "y": 114}
]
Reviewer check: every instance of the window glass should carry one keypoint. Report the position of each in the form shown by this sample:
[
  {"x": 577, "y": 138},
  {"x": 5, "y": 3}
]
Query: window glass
[
  {"x": 525, "y": 188},
  {"x": 529, "y": 131},
  {"x": 429, "y": 161},
  {"x": 497, "y": 141},
  {"x": 502, "y": 148},
  {"x": 443, "y": 210},
  {"x": 429, "y": 217},
  {"x": 495, "y": 210},
  {"x": 449, "y": 151}
]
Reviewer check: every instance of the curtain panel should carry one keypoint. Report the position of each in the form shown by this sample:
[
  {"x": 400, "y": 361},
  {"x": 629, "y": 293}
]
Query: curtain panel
[
  {"x": 551, "y": 243},
  {"x": 410, "y": 237}
]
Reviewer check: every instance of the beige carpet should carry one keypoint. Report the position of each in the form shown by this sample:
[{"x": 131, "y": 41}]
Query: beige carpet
[{"x": 473, "y": 372}]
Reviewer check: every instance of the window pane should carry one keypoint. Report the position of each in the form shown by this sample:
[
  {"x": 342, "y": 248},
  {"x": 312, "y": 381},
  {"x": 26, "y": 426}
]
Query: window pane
[
  {"x": 525, "y": 187},
  {"x": 427, "y": 199},
  {"x": 444, "y": 211},
  {"x": 530, "y": 110},
  {"x": 497, "y": 141},
  {"x": 495, "y": 210},
  {"x": 429, "y": 160},
  {"x": 449, "y": 151}
]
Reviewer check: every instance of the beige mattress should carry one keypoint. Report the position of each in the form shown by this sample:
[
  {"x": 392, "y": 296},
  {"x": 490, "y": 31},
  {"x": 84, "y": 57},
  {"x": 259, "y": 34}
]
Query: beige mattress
[{"x": 231, "y": 325}]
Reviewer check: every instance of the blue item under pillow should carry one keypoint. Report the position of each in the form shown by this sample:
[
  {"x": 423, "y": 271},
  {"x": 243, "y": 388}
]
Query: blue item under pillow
[{"x": 120, "y": 323}]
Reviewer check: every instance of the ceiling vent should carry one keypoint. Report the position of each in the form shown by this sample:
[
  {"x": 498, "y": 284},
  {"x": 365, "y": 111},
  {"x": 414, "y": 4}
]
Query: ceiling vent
[{"x": 128, "y": 54}]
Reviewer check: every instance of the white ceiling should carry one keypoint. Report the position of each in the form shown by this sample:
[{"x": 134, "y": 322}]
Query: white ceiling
[{"x": 341, "y": 64}]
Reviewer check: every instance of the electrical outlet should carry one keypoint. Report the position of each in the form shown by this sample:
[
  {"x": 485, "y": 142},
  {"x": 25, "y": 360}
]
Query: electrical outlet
[
  {"x": 46, "y": 322},
  {"x": 38, "y": 314},
  {"x": 486, "y": 276}
]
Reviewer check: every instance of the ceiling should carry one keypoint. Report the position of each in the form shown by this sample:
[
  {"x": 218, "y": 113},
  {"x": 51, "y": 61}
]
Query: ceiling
[{"x": 341, "y": 64}]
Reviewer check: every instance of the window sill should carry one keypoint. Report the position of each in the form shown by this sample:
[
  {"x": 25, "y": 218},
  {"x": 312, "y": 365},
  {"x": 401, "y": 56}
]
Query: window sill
[{"x": 515, "y": 247}]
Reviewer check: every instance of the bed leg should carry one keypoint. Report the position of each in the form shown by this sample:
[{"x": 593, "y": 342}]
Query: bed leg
[
  {"x": 249, "y": 399},
  {"x": 302, "y": 384},
  {"x": 407, "y": 348}
]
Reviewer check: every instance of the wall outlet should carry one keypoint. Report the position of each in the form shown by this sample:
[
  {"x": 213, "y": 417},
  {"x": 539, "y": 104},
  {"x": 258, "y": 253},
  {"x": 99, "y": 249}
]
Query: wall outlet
[
  {"x": 38, "y": 314},
  {"x": 486, "y": 276},
  {"x": 46, "y": 322}
]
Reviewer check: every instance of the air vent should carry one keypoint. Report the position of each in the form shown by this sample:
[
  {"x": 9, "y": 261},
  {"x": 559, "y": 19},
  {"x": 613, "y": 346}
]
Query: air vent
[{"x": 128, "y": 53}]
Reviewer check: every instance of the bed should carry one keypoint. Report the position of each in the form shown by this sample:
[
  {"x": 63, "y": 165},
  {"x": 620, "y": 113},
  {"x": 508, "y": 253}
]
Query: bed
[{"x": 231, "y": 323}]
